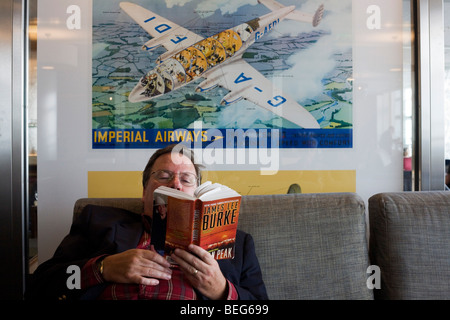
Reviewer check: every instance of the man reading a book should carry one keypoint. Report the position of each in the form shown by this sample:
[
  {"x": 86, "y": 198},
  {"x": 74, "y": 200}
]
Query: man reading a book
[{"x": 112, "y": 248}]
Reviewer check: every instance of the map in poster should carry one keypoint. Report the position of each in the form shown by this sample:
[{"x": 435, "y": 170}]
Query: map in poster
[{"x": 198, "y": 71}]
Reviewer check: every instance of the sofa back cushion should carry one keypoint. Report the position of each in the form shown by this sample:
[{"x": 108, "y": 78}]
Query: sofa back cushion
[
  {"x": 131, "y": 204},
  {"x": 410, "y": 242},
  {"x": 310, "y": 246}
]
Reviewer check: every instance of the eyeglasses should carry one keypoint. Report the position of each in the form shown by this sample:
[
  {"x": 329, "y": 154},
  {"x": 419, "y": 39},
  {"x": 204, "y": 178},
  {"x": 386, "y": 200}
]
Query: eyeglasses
[{"x": 187, "y": 179}]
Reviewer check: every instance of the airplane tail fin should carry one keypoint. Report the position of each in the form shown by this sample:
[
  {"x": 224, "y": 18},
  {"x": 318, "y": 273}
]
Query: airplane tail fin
[{"x": 296, "y": 14}]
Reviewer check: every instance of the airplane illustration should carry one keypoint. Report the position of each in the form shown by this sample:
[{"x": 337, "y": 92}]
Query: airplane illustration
[{"x": 218, "y": 60}]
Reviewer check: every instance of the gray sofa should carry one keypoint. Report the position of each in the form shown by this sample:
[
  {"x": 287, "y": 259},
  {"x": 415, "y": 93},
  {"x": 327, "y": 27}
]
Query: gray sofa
[
  {"x": 310, "y": 246},
  {"x": 314, "y": 246}
]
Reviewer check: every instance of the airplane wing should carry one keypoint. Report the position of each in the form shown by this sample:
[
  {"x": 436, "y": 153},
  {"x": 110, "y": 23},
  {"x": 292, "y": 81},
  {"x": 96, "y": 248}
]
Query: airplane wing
[
  {"x": 164, "y": 32},
  {"x": 245, "y": 82},
  {"x": 296, "y": 14}
]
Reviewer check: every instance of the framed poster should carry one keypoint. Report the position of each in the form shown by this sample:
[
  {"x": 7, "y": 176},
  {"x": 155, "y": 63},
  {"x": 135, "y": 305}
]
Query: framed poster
[{"x": 241, "y": 74}]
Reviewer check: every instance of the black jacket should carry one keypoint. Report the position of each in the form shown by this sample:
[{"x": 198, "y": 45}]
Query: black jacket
[{"x": 106, "y": 230}]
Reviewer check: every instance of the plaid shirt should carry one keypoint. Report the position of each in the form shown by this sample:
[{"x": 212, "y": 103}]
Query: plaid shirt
[{"x": 177, "y": 288}]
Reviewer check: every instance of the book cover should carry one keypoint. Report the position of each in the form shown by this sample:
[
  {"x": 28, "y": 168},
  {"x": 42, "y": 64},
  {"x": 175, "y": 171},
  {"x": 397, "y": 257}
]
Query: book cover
[{"x": 208, "y": 219}]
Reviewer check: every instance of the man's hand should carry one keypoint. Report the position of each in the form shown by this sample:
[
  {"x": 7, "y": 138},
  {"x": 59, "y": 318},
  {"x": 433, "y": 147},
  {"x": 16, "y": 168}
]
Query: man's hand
[
  {"x": 136, "y": 266},
  {"x": 202, "y": 271}
]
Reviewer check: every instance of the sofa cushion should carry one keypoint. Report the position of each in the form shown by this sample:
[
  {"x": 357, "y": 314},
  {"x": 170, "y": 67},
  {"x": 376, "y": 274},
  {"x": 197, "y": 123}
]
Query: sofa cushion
[
  {"x": 131, "y": 204},
  {"x": 310, "y": 246},
  {"x": 410, "y": 242}
]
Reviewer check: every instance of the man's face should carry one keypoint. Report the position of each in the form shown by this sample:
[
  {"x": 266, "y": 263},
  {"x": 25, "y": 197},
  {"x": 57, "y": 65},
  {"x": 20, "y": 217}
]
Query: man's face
[{"x": 176, "y": 163}]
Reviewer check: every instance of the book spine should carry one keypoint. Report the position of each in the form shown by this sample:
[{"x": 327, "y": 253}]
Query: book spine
[{"x": 196, "y": 224}]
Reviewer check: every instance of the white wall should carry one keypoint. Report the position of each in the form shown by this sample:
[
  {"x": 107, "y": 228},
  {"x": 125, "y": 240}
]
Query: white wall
[{"x": 65, "y": 114}]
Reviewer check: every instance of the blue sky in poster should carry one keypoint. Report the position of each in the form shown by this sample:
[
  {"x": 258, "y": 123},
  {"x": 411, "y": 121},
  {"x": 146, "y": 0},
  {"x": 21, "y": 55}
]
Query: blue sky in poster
[{"x": 314, "y": 65}]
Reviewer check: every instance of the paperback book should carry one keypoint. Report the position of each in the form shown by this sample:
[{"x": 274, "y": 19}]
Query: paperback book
[{"x": 208, "y": 219}]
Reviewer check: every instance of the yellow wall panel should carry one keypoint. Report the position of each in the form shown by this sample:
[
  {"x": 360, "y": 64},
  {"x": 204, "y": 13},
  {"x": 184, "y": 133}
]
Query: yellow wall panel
[
  {"x": 110, "y": 184},
  {"x": 114, "y": 184}
]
